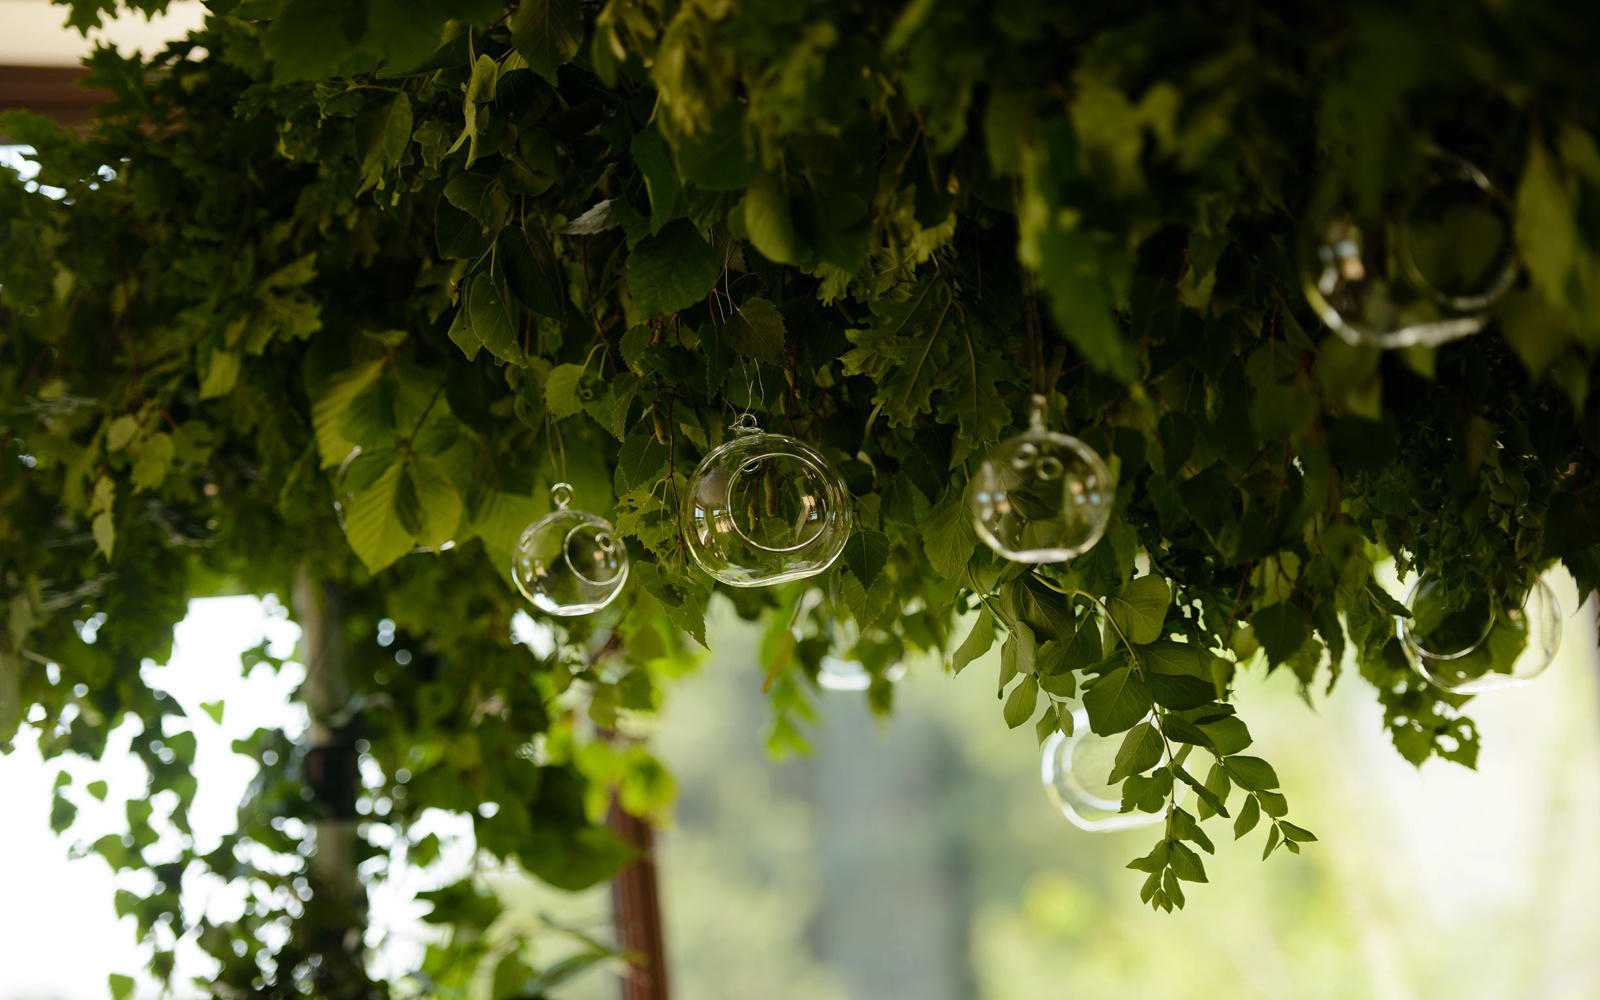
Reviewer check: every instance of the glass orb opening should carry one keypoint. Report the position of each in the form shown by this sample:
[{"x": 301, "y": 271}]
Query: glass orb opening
[{"x": 778, "y": 502}]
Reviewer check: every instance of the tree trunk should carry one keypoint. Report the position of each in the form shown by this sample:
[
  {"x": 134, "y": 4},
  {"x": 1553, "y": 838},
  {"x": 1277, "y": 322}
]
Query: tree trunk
[
  {"x": 336, "y": 917},
  {"x": 636, "y": 910}
]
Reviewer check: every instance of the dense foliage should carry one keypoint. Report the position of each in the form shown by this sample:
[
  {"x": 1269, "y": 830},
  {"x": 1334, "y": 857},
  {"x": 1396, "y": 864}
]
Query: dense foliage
[{"x": 496, "y": 248}]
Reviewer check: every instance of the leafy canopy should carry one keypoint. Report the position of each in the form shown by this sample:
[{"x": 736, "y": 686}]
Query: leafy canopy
[{"x": 496, "y": 247}]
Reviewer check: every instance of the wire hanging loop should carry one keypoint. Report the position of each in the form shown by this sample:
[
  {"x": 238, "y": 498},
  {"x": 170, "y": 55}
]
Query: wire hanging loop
[
  {"x": 1036, "y": 410},
  {"x": 561, "y": 495},
  {"x": 745, "y": 424}
]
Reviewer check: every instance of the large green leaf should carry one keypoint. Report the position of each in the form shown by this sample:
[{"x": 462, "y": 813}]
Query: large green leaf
[
  {"x": 672, "y": 270},
  {"x": 548, "y": 33},
  {"x": 1116, "y": 701}
]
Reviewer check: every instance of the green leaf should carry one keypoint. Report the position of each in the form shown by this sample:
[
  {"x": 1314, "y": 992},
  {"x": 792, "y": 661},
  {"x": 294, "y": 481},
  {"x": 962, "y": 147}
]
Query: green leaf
[
  {"x": 1218, "y": 784},
  {"x": 1281, "y": 629},
  {"x": 221, "y": 374},
  {"x": 1273, "y": 803},
  {"x": 332, "y": 397},
  {"x": 1298, "y": 834},
  {"x": 977, "y": 642},
  {"x": 1140, "y": 751},
  {"x": 1016, "y": 654},
  {"x": 1186, "y": 827},
  {"x": 457, "y": 234},
  {"x": 1116, "y": 702},
  {"x": 105, "y": 533},
  {"x": 441, "y": 504},
  {"x": 660, "y": 175},
  {"x": 493, "y": 319},
  {"x": 1251, "y": 772},
  {"x": 865, "y": 553},
  {"x": 121, "y": 432},
  {"x": 1174, "y": 659},
  {"x": 1075, "y": 273},
  {"x": 376, "y": 519},
  {"x": 479, "y": 196},
  {"x": 1186, "y": 863},
  {"x": 672, "y": 270},
  {"x": 947, "y": 538},
  {"x": 1272, "y": 841},
  {"x": 768, "y": 222},
  {"x": 386, "y": 128},
  {"x": 1546, "y": 226},
  {"x": 121, "y": 986},
  {"x": 1228, "y": 735},
  {"x": 462, "y": 335},
  {"x": 548, "y": 33},
  {"x": 560, "y": 972},
  {"x": 1249, "y": 815},
  {"x": 1140, "y": 608},
  {"x": 563, "y": 391},
  {"x": 155, "y": 458},
  {"x": 756, "y": 330},
  {"x": 532, "y": 273},
  {"x": 1048, "y": 723},
  {"x": 10, "y": 697},
  {"x": 1019, "y": 706},
  {"x": 301, "y": 45}
]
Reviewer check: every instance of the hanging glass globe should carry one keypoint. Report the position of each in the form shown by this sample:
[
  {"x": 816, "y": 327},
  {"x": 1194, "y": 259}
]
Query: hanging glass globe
[
  {"x": 1074, "y": 770},
  {"x": 1042, "y": 496},
  {"x": 765, "y": 508},
  {"x": 569, "y": 562},
  {"x": 1482, "y": 641},
  {"x": 1420, "y": 269}
]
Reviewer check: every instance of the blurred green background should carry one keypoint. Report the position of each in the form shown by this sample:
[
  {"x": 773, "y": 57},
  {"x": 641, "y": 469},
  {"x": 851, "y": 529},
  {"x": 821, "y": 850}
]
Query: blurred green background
[{"x": 920, "y": 857}]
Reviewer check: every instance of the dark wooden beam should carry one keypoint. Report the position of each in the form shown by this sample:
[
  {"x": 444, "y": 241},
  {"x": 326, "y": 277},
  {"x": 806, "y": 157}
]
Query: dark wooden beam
[{"x": 52, "y": 91}]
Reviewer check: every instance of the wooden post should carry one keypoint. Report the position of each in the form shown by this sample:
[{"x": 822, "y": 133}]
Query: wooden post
[
  {"x": 335, "y": 921},
  {"x": 636, "y": 910}
]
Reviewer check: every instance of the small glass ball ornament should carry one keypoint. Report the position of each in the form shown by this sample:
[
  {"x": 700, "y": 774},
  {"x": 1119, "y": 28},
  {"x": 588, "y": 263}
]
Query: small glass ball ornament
[
  {"x": 1074, "y": 770},
  {"x": 1042, "y": 496},
  {"x": 1420, "y": 269},
  {"x": 569, "y": 562},
  {"x": 1484, "y": 641},
  {"x": 765, "y": 508}
]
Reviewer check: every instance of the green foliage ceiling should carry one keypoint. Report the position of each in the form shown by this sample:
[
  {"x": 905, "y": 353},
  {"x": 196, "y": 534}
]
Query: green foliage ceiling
[{"x": 572, "y": 240}]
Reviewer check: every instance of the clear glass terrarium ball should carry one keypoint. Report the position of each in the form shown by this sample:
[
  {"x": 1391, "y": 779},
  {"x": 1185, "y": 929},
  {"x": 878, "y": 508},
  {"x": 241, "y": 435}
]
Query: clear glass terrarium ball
[
  {"x": 1422, "y": 268},
  {"x": 1042, "y": 496},
  {"x": 1074, "y": 770},
  {"x": 1483, "y": 641},
  {"x": 569, "y": 562},
  {"x": 764, "y": 509}
]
